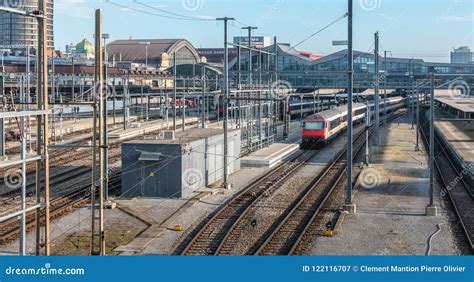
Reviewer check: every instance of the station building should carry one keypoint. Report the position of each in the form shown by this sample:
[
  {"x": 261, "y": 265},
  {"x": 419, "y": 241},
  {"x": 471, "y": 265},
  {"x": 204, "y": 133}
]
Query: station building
[
  {"x": 303, "y": 71},
  {"x": 158, "y": 53}
]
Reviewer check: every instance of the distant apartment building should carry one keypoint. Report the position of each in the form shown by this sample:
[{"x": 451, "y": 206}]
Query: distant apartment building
[
  {"x": 462, "y": 55},
  {"x": 17, "y": 32}
]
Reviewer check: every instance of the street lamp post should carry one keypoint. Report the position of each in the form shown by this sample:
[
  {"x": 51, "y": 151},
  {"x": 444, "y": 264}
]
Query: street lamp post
[
  {"x": 385, "y": 87},
  {"x": 2, "y": 124},
  {"x": 146, "y": 43},
  {"x": 349, "y": 205}
]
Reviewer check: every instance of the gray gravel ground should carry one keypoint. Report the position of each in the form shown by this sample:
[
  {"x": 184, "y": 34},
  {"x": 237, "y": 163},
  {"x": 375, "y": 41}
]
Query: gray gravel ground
[
  {"x": 79, "y": 221},
  {"x": 392, "y": 221},
  {"x": 269, "y": 209}
]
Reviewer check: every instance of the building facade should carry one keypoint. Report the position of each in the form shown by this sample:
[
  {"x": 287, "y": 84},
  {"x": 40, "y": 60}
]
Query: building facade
[
  {"x": 156, "y": 53},
  {"x": 462, "y": 55},
  {"x": 300, "y": 71},
  {"x": 18, "y": 32}
]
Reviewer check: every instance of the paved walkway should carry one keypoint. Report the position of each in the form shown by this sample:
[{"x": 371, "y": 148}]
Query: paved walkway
[{"x": 390, "y": 219}]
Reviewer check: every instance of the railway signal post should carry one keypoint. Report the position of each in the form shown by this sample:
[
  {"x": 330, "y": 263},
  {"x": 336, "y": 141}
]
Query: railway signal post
[
  {"x": 349, "y": 206},
  {"x": 431, "y": 208},
  {"x": 377, "y": 94},
  {"x": 97, "y": 230},
  {"x": 367, "y": 127},
  {"x": 226, "y": 183}
]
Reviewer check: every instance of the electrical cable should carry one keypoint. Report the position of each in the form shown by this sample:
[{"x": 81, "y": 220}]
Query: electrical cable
[
  {"x": 149, "y": 13},
  {"x": 322, "y": 29},
  {"x": 171, "y": 13}
]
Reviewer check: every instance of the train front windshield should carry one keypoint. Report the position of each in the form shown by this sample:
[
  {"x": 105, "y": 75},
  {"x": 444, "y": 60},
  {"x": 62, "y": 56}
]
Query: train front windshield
[{"x": 313, "y": 125}]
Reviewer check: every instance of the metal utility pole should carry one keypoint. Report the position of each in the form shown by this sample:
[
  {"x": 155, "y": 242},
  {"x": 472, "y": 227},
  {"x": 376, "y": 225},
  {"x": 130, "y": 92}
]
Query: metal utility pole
[
  {"x": 249, "y": 29},
  {"x": 98, "y": 247},
  {"x": 23, "y": 188},
  {"x": 226, "y": 183},
  {"x": 377, "y": 94},
  {"x": 349, "y": 205},
  {"x": 275, "y": 77},
  {"x": 73, "y": 77},
  {"x": 183, "y": 112},
  {"x": 239, "y": 82},
  {"x": 174, "y": 91},
  {"x": 417, "y": 148},
  {"x": 106, "y": 94},
  {"x": 43, "y": 133},
  {"x": 146, "y": 43},
  {"x": 385, "y": 87},
  {"x": 203, "y": 106},
  {"x": 125, "y": 104},
  {"x": 367, "y": 127},
  {"x": 412, "y": 100},
  {"x": 431, "y": 208}
]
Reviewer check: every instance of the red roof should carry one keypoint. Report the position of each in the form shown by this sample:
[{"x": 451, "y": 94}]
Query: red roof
[{"x": 309, "y": 55}]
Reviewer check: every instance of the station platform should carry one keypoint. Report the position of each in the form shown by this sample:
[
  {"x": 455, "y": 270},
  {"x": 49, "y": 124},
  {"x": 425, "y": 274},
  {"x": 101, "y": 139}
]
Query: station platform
[
  {"x": 460, "y": 136},
  {"x": 146, "y": 128},
  {"x": 391, "y": 203},
  {"x": 455, "y": 104},
  {"x": 270, "y": 156}
]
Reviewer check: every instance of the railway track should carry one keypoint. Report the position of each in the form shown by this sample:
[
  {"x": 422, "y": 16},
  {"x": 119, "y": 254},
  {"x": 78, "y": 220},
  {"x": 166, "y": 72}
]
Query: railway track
[
  {"x": 284, "y": 236},
  {"x": 65, "y": 203},
  {"x": 10, "y": 230},
  {"x": 220, "y": 231},
  {"x": 59, "y": 157},
  {"x": 455, "y": 188},
  {"x": 231, "y": 240},
  {"x": 205, "y": 239},
  {"x": 62, "y": 177}
]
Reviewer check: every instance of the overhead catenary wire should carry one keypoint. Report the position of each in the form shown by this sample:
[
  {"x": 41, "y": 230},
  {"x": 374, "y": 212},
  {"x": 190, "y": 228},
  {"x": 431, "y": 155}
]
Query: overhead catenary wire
[
  {"x": 172, "y": 13},
  {"x": 154, "y": 14},
  {"x": 321, "y": 30}
]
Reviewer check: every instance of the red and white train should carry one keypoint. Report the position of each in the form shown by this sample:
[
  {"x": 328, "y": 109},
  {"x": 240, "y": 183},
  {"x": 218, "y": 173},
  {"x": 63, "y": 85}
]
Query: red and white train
[{"x": 323, "y": 126}]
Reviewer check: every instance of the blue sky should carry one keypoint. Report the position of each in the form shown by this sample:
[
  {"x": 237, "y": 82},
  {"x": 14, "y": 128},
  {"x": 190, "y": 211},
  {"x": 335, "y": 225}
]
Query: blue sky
[{"x": 426, "y": 29}]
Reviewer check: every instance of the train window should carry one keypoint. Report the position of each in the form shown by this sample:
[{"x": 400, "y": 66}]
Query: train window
[{"x": 313, "y": 125}]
